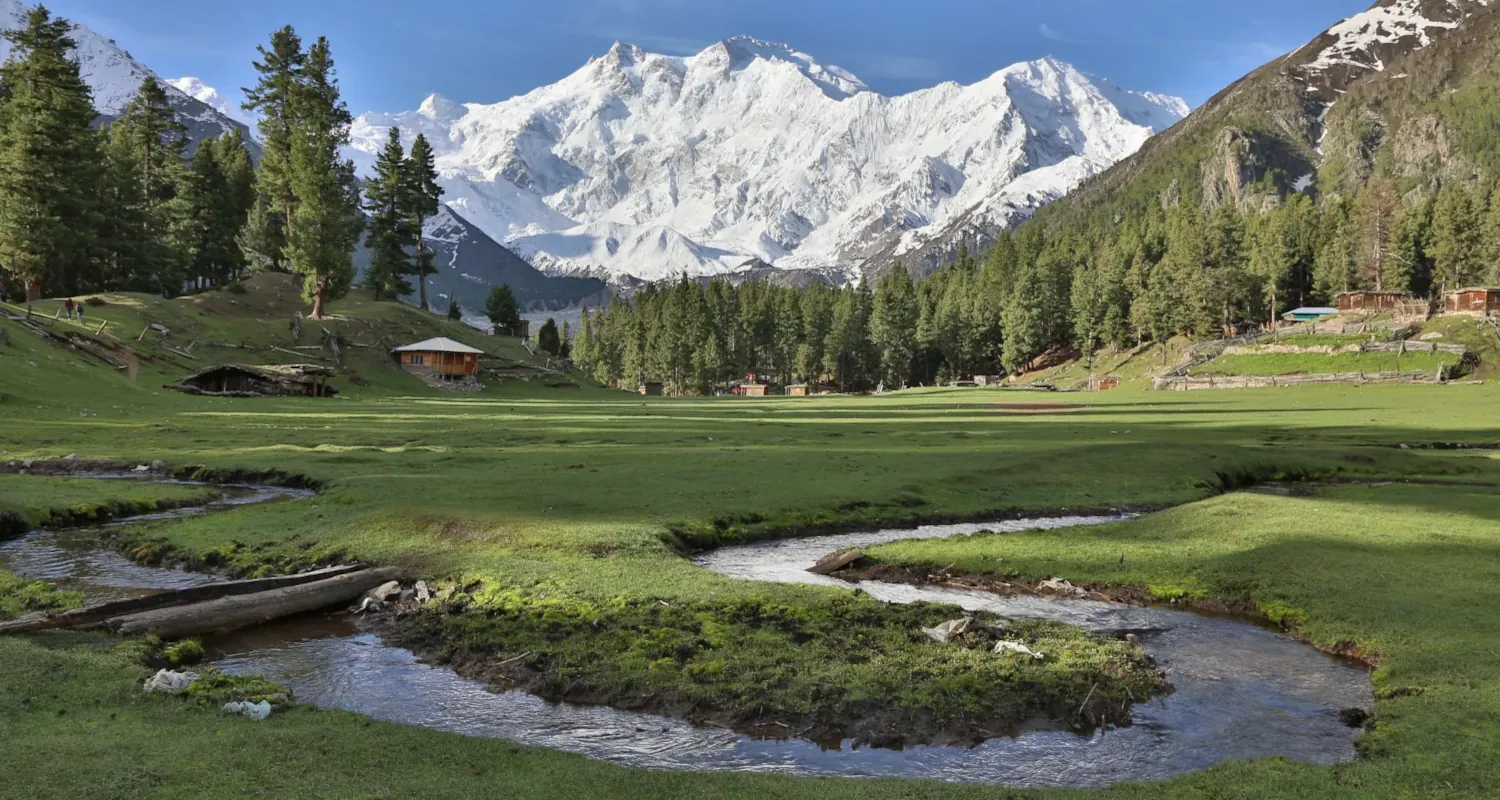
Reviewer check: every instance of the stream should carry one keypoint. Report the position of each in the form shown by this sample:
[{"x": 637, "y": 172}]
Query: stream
[{"x": 1240, "y": 691}]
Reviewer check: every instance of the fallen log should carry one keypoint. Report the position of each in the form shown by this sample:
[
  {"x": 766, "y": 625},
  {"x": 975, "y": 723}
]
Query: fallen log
[
  {"x": 230, "y": 613},
  {"x": 94, "y": 615}
]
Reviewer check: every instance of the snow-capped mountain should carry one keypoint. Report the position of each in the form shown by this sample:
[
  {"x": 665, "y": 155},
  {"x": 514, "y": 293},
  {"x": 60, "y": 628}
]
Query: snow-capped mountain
[
  {"x": 209, "y": 96},
  {"x": 115, "y": 77},
  {"x": 1365, "y": 41},
  {"x": 751, "y": 153}
]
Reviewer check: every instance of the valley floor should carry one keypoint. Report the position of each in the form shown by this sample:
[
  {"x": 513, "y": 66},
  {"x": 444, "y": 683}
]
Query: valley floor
[{"x": 552, "y": 513}]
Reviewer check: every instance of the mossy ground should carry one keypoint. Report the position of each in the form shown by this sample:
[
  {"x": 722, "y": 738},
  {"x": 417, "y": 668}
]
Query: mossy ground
[{"x": 571, "y": 502}]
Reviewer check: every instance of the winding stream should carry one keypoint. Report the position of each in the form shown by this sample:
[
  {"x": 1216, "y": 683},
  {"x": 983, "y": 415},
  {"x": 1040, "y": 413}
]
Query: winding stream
[{"x": 1241, "y": 691}]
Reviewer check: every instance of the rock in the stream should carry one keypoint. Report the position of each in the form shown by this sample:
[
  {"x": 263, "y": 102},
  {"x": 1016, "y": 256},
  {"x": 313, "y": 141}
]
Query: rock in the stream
[
  {"x": 385, "y": 591},
  {"x": 835, "y": 561},
  {"x": 168, "y": 682},
  {"x": 1057, "y": 587}
]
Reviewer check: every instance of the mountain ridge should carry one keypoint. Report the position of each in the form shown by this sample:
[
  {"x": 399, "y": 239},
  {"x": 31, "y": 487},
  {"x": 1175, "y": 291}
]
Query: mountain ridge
[{"x": 650, "y": 166}]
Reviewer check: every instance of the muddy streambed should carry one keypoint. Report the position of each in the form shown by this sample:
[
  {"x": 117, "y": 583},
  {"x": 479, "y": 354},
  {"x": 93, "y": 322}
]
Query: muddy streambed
[{"x": 1240, "y": 691}]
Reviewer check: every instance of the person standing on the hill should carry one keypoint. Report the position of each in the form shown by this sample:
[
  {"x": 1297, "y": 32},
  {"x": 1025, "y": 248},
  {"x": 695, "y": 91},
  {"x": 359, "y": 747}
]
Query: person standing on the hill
[
  {"x": 68, "y": 308},
  {"x": 79, "y": 308}
]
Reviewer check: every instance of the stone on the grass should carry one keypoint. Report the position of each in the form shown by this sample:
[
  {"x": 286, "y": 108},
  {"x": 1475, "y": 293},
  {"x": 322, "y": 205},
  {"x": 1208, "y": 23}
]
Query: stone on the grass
[
  {"x": 169, "y": 682},
  {"x": 835, "y": 561},
  {"x": 953, "y": 627},
  {"x": 1017, "y": 647}
]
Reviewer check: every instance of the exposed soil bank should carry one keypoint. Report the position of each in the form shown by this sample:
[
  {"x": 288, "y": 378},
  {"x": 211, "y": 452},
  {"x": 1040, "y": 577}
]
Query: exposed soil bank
[{"x": 1130, "y": 595}]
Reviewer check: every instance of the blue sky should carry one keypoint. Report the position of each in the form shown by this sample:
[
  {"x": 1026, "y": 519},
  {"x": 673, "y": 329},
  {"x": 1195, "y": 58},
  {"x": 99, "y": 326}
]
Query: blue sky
[{"x": 392, "y": 53}]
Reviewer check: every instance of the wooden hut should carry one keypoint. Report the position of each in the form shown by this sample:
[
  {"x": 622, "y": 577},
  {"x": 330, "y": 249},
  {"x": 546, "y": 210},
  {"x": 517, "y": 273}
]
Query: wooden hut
[
  {"x": 1367, "y": 300},
  {"x": 752, "y": 390},
  {"x": 797, "y": 390},
  {"x": 1473, "y": 301},
  {"x": 651, "y": 389},
  {"x": 440, "y": 358},
  {"x": 240, "y": 380}
]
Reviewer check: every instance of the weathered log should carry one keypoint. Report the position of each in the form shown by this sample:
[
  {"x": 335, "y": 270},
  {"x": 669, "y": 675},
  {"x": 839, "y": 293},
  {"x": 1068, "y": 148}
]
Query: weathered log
[
  {"x": 84, "y": 617},
  {"x": 230, "y": 613}
]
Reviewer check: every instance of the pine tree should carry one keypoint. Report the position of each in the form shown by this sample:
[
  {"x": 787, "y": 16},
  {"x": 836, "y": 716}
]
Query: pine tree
[
  {"x": 547, "y": 339},
  {"x": 1377, "y": 215},
  {"x": 1490, "y": 238},
  {"x": 893, "y": 326},
  {"x": 326, "y": 219},
  {"x": 501, "y": 308},
  {"x": 51, "y": 164},
  {"x": 1088, "y": 306},
  {"x": 389, "y": 227},
  {"x": 455, "y": 313},
  {"x": 1335, "y": 266},
  {"x": 148, "y": 133},
  {"x": 203, "y": 235},
  {"x": 1412, "y": 258},
  {"x": 1271, "y": 259},
  {"x": 238, "y": 170},
  {"x": 565, "y": 346},
  {"x": 422, "y": 195},
  {"x": 281, "y": 68},
  {"x": 1456, "y": 239}
]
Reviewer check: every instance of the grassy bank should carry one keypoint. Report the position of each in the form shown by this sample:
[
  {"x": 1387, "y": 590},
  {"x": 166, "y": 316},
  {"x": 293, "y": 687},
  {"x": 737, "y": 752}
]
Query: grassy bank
[
  {"x": 28, "y": 502},
  {"x": 552, "y": 512},
  {"x": 1320, "y": 363},
  {"x": 1405, "y": 575}
]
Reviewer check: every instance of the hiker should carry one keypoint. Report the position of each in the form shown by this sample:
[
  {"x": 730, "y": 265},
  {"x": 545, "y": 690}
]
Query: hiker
[
  {"x": 68, "y": 308},
  {"x": 79, "y": 308}
]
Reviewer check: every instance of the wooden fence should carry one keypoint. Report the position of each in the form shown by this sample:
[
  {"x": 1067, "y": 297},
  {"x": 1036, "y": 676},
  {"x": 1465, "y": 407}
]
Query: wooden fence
[{"x": 1402, "y": 346}]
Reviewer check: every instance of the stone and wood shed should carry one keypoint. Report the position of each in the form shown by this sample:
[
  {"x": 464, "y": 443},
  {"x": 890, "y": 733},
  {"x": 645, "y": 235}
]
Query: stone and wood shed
[
  {"x": 241, "y": 380},
  {"x": 440, "y": 358}
]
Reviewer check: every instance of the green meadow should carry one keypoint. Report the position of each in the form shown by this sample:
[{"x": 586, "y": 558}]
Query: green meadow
[{"x": 561, "y": 520}]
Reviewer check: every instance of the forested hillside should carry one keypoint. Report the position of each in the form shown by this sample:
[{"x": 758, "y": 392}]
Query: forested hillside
[{"x": 1367, "y": 159}]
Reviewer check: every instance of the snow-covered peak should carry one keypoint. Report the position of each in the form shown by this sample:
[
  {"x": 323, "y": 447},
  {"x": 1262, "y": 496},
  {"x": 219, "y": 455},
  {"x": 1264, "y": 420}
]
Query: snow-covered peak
[
  {"x": 1366, "y": 41},
  {"x": 209, "y": 96},
  {"x": 114, "y": 77},
  {"x": 737, "y": 52},
  {"x": 440, "y": 109},
  {"x": 647, "y": 165}
]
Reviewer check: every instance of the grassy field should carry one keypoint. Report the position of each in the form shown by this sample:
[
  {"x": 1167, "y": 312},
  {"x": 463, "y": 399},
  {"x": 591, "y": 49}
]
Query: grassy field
[
  {"x": 557, "y": 509},
  {"x": 1321, "y": 363}
]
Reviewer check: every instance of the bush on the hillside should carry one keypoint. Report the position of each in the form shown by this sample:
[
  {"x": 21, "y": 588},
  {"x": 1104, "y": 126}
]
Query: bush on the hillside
[{"x": 235, "y": 287}]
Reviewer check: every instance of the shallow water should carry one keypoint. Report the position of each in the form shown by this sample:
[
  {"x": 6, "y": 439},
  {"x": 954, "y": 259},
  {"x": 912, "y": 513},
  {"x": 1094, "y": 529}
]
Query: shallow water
[{"x": 1241, "y": 691}]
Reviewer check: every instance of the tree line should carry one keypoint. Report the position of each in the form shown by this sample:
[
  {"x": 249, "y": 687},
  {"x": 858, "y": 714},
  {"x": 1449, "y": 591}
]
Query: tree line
[
  {"x": 122, "y": 206},
  {"x": 1074, "y": 287}
]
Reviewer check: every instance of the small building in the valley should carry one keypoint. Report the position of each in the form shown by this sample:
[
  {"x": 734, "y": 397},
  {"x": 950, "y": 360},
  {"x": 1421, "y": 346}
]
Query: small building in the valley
[
  {"x": 651, "y": 388},
  {"x": 989, "y": 380},
  {"x": 1308, "y": 314},
  {"x": 751, "y": 390},
  {"x": 1370, "y": 300},
  {"x": 241, "y": 380},
  {"x": 1472, "y": 301},
  {"x": 1102, "y": 383},
  {"x": 797, "y": 390},
  {"x": 440, "y": 358},
  {"x": 520, "y": 330}
]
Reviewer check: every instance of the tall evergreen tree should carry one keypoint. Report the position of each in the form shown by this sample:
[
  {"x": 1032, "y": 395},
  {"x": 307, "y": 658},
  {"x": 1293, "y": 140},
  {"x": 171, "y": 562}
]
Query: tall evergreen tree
[
  {"x": 1490, "y": 238},
  {"x": 281, "y": 69},
  {"x": 148, "y": 133},
  {"x": 233, "y": 155},
  {"x": 1456, "y": 238},
  {"x": 501, "y": 308},
  {"x": 389, "y": 227},
  {"x": 326, "y": 219},
  {"x": 422, "y": 195},
  {"x": 51, "y": 163},
  {"x": 548, "y": 339},
  {"x": 1377, "y": 214},
  {"x": 893, "y": 326}
]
